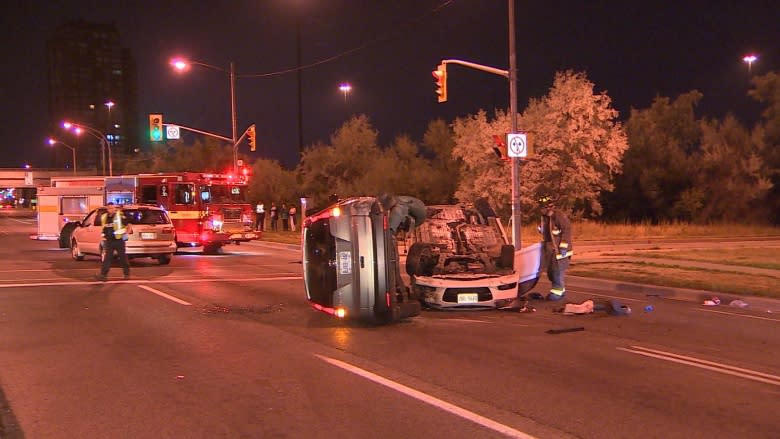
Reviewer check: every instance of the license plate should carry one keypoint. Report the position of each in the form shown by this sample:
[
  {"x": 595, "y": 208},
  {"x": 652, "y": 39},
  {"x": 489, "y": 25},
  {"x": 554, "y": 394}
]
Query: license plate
[
  {"x": 468, "y": 298},
  {"x": 148, "y": 235}
]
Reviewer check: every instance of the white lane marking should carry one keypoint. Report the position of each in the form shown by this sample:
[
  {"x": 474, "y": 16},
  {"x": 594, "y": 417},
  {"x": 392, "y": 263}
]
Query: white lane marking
[
  {"x": 428, "y": 399},
  {"x": 737, "y": 314},
  {"x": 704, "y": 364},
  {"x": 150, "y": 281},
  {"x": 167, "y": 296},
  {"x": 467, "y": 320}
]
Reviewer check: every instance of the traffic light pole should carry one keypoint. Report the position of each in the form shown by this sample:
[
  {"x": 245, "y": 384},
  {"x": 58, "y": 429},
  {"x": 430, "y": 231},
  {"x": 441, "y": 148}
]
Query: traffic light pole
[{"x": 516, "y": 205}]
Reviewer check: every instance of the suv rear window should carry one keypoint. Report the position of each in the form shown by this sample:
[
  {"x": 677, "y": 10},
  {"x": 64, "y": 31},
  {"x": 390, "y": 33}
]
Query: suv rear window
[
  {"x": 145, "y": 216},
  {"x": 320, "y": 250}
]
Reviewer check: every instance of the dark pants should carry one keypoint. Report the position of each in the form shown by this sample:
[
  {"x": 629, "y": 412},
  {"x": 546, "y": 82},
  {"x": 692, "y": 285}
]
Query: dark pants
[
  {"x": 556, "y": 271},
  {"x": 260, "y": 222},
  {"x": 273, "y": 223},
  {"x": 109, "y": 247}
]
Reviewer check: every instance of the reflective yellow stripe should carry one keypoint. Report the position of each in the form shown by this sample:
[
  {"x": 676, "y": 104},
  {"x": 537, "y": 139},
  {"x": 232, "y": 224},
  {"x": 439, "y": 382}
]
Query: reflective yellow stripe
[
  {"x": 568, "y": 254},
  {"x": 185, "y": 214},
  {"x": 557, "y": 292},
  {"x": 564, "y": 245},
  {"x": 43, "y": 208}
]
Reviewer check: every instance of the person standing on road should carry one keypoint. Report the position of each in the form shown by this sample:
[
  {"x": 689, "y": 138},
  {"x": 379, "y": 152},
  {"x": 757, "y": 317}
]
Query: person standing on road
[
  {"x": 557, "y": 250},
  {"x": 115, "y": 231},
  {"x": 284, "y": 215},
  {"x": 274, "y": 216},
  {"x": 260, "y": 216}
]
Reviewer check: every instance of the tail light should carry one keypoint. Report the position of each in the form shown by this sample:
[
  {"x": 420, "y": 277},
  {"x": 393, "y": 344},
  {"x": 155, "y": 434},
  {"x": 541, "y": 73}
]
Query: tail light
[{"x": 167, "y": 230}]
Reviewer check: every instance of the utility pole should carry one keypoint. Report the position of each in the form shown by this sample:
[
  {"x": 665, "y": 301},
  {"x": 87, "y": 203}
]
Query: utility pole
[{"x": 513, "y": 115}]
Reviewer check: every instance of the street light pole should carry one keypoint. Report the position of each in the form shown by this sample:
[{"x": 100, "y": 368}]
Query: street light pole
[
  {"x": 181, "y": 65},
  {"x": 52, "y": 142},
  {"x": 233, "y": 114},
  {"x": 103, "y": 142}
]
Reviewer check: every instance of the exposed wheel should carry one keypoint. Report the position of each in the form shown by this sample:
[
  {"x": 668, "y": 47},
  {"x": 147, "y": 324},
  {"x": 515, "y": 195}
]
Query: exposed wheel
[
  {"x": 483, "y": 207},
  {"x": 164, "y": 259},
  {"x": 75, "y": 253},
  {"x": 507, "y": 257},
  {"x": 420, "y": 260},
  {"x": 66, "y": 233},
  {"x": 212, "y": 249}
]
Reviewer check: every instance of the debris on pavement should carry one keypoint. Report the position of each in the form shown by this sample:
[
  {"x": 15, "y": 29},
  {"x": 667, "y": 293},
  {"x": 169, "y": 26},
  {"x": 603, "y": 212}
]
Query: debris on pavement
[
  {"x": 564, "y": 330},
  {"x": 738, "y": 303},
  {"x": 715, "y": 301}
]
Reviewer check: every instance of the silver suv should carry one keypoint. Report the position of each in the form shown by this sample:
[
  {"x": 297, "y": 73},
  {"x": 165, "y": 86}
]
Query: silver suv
[
  {"x": 152, "y": 234},
  {"x": 350, "y": 259}
]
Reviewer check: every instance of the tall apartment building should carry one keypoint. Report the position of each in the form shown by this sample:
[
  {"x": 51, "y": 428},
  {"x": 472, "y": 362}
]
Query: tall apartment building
[{"x": 92, "y": 81}]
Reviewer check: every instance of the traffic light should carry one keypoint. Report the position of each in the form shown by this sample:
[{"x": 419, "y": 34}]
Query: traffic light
[
  {"x": 156, "y": 127},
  {"x": 440, "y": 74},
  {"x": 251, "y": 138}
]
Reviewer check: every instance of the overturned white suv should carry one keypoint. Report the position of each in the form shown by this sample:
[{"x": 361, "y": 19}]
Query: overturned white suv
[{"x": 460, "y": 258}]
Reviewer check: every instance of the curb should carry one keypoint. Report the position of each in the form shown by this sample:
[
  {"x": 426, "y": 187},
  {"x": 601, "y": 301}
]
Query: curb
[{"x": 682, "y": 294}]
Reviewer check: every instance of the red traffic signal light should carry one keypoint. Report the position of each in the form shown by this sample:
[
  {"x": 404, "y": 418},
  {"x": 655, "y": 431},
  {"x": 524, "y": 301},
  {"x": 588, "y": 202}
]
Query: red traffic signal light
[
  {"x": 251, "y": 137},
  {"x": 440, "y": 75}
]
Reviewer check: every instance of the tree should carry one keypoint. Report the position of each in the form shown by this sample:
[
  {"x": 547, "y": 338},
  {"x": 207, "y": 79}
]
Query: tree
[
  {"x": 270, "y": 182},
  {"x": 339, "y": 168},
  {"x": 766, "y": 89},
  {"x": 728, "y": 182},
  {"x": 657, "y": 168},
  {"x": 578, "y": 143},
  {"x": 438, "y": 143},
  {"x": 577, "y": 149}
]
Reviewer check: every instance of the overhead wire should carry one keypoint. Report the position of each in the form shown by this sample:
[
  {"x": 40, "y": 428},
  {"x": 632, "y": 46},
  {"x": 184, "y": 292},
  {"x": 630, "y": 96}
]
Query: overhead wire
[{"x": 365, "y": 45}]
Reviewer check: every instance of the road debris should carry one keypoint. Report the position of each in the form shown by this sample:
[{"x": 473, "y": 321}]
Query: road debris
[{"x": 564, "y": 330}]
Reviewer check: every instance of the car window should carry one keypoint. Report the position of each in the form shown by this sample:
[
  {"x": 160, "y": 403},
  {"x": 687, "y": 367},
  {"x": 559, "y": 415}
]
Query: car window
[
  {"x": 146, "y": 216},
  {"x": 89, "y": 218},
  {"x": 98, "y": 214}
]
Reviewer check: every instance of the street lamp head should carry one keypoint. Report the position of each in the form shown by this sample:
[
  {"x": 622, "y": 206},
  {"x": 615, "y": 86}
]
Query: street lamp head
[
  {"x": 750, "y": 58},
  {"x": 67, "y": 125},
  {"x": 51, "y": 141},
  {"x": 109, "y": 104},
  {"x": 180, "y": 64},
  {"x": 345, "y": 87}
]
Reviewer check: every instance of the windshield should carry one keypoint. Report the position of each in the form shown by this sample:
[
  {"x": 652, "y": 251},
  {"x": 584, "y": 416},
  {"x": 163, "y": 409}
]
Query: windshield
[
  {"x": 223, "y": 194},
  {"x": 145, "y": 216}
]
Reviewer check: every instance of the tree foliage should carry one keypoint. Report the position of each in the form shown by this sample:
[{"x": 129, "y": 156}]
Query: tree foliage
[{"x": 577, "y": 149}]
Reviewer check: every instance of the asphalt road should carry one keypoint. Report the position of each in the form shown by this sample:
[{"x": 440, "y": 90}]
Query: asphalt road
[{"x": 226, "y": 346}]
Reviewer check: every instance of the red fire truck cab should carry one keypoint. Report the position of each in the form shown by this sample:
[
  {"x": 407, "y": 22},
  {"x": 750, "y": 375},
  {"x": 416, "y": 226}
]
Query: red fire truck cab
[{"x": 208, "y": 210}]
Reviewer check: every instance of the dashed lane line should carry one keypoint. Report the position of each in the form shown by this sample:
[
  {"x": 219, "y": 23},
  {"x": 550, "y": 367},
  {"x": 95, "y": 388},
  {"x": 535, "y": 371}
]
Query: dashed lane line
[{"x": 167, "y": 296}]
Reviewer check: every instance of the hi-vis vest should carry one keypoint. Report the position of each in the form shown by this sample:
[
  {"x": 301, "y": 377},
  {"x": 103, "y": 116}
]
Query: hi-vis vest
[{"x": 119, "y": 227}]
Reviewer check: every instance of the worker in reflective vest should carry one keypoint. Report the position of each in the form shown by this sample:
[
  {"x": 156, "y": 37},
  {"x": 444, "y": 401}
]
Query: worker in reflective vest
[
  {"x": 115, "y": 231},
  {"x": 555, "y": 228}
]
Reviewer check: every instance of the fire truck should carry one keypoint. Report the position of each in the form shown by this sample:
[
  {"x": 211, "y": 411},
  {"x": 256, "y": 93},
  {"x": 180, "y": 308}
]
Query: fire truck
[{"x": 208, "y": 210}]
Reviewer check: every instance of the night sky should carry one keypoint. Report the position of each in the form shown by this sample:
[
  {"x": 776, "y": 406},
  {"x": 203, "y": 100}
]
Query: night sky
[{"x": 386, "y": 50}]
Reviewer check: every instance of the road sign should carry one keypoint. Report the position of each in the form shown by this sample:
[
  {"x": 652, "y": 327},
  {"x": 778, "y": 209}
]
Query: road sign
[
  {"x": 517, "y": 145},
  {"x": 172, "y": 132}
]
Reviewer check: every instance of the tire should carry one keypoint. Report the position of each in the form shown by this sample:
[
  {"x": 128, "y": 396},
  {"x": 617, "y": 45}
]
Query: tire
[
  {"x": 507, "y": 258},
  {"x": 212, "y": 249},
  {"x": 484, "y": 209},
  {"x": 164, "y": 259},
  {"x": 420, "y": 260},
  {"x": 66, "y": 233},
  {"x": 75, "y": 253}
]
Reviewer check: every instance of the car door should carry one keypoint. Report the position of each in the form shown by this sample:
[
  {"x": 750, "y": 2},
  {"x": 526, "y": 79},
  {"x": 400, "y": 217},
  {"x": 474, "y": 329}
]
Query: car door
[{"x": 91, "y": 233}]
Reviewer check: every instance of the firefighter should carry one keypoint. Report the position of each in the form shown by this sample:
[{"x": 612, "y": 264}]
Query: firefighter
[
  {"x": 557, "y": 246},
  {"x": 115, "y": 231}
]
